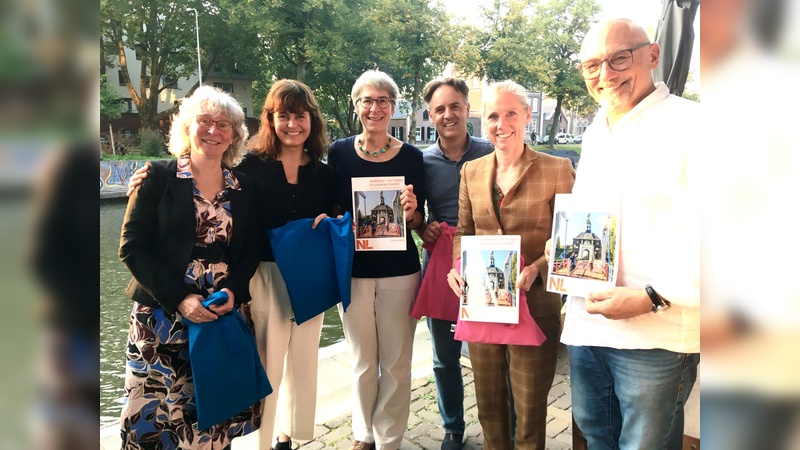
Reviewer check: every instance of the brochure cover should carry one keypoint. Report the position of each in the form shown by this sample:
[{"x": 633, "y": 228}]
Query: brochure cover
[
  {"x": 380, "y": 222},
  {"x": 584, "y": 247},
  {"x": 490, "y": 267}
]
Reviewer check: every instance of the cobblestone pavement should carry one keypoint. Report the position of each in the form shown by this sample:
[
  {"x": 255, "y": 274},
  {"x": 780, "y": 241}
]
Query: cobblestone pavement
[{"x": 424, "y": 430}]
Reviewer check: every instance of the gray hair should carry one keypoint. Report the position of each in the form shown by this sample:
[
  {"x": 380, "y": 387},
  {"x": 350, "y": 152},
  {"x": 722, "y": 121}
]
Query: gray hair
[
  {"x": 378, "y": 80},
  {"x": 216, "y": 102}
]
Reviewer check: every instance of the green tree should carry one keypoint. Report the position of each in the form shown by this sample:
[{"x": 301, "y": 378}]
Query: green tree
[
  {"x": 162, "y": 35},
  {"x": 559, "y": 27},
  {"x": 111, "y": 106},
  {"x": 417, "y": 45},
  {"x": 326, "y": 44},
  {"x": 501, "y": 49},
  {"x": 534, "y": 44}
]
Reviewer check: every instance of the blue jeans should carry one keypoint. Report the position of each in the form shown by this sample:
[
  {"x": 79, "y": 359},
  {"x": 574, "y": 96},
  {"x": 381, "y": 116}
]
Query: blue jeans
[
  {"x": 631, "y": 399},
  {"x": 447, "y": 374}
]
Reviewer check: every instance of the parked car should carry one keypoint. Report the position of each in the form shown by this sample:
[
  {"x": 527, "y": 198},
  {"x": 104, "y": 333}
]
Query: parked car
[
  {"x": 579, "y": 139},
  {"x": 564, "y": 138},
  {"x": 543, "y": 139}
]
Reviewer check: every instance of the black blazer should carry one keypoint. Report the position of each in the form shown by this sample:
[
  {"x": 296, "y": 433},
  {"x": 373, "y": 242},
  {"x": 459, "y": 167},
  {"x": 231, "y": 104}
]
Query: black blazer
[{"x": 158, "y": 237}]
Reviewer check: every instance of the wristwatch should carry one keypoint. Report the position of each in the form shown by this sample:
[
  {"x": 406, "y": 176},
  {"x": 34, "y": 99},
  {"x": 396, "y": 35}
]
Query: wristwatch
[{"x": 659, "y": 303}]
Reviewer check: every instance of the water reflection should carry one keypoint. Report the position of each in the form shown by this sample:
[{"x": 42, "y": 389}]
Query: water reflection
[{"x": 115, "y": 309}]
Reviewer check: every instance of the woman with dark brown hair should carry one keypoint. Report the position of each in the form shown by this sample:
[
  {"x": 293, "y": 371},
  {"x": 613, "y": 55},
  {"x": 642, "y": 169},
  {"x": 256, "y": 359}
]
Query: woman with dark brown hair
[{"x": 285, "y": 160}]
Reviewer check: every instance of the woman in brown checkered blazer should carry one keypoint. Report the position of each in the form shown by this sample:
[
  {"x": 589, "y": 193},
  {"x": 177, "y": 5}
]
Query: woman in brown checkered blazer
[{"x": 512, "y": 191}]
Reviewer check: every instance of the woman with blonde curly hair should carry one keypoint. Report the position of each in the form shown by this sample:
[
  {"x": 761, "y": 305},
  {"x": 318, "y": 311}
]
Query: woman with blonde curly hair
[{"x": 190, "y": 230}]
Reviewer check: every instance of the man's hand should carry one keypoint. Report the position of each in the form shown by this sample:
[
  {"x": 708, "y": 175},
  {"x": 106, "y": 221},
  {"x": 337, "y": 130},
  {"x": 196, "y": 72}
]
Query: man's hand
[
  {"x": 137, "y": 178},
  {"x": 547, "y": 250},
  {"x": 526, "y": 277},
  {"x": 619, "y": 303},
  {"x": 431, "y": 232}
]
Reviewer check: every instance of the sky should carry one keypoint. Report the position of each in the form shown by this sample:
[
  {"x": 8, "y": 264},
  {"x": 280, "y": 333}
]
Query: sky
[{"x": 646, "y": 12}]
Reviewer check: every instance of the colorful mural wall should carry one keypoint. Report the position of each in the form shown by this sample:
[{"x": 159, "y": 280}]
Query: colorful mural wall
[{"x": 117, "y": 173}]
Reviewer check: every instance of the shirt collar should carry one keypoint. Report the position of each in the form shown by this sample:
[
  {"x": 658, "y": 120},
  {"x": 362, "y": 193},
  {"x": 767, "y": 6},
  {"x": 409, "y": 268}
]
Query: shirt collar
[
  {"x": 657, "y": 96},
  {"x": 185, "y": 171}
]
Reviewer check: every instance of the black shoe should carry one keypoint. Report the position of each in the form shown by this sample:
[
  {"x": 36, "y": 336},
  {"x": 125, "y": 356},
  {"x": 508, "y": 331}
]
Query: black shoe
[
  {"x": 283, "y": 445},
  {"x": 453, "y": 441}
]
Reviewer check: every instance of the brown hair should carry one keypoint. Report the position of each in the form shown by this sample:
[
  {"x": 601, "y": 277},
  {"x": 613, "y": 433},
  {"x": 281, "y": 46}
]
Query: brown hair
[
  {"x": 290, "y": 96},
  {"x": 456, "y": 83}
]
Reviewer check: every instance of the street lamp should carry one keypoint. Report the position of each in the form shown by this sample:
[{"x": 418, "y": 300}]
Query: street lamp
[{"x": 197, "y": 30}]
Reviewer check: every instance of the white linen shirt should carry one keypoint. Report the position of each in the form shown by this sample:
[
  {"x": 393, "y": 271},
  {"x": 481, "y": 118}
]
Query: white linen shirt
[{"x": 647, "y": 159}]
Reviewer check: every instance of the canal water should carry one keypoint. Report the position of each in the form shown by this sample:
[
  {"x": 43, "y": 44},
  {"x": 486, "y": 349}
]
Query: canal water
[{"x": 115, "y": 309}]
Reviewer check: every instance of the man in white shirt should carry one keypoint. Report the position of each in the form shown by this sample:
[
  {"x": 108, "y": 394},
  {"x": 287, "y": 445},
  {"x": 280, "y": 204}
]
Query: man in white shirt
[{"x": 634, "y": 348}]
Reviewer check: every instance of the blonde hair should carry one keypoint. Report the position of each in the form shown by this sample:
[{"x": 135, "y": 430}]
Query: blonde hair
[
  {"x": 215, "y": 102},
  {"x": 509, "y": 87}
]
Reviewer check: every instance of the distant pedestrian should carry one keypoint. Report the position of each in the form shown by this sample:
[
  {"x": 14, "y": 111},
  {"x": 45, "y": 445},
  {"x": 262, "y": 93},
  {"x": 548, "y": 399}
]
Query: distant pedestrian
[{"x": 572, "y": 263}]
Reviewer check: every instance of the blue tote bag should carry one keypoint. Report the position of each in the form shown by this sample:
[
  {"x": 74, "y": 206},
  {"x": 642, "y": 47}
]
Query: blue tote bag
[
  {"x": 316, "y": 264},
  {"x": 227, "y": 371}
]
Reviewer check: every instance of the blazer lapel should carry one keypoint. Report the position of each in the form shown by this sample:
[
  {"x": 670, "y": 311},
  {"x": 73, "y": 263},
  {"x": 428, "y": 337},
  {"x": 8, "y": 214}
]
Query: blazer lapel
[
  {"x": 181, "y": 190},
  {"x": 235, "y": 196},
  {"x": 485, "y": 194},
  {"x": 528, "y": 156}
]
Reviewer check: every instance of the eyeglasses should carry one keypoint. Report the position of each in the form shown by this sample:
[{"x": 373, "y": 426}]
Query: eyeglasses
[
  {"x": 367, "y": 102},
  {"x": 619, "y": 60},
  {"x": 206, "y": 122}
]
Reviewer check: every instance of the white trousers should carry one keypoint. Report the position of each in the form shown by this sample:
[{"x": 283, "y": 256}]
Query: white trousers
[
  {"x": 290, "y": 355},
  {"x": 380, "y": 334}
]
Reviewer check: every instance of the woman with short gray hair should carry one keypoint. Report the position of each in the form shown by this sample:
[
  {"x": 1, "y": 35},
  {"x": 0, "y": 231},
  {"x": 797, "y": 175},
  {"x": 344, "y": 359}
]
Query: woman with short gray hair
[{"x": 377, "y": 324}]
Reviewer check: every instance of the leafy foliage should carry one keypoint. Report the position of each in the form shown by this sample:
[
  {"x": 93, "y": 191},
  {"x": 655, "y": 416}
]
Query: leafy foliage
[
  {"x": 535, "y": 44},
  {"x": 150, "y": 143},
  {"x": 111, "y": 106}
]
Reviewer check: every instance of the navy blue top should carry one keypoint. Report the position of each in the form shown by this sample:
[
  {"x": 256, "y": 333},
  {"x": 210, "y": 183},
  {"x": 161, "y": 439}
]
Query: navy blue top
[
  {"x": 443, "y": 175},
  {"x": 347, "y": 163},
  {"x": 279, "y": 202}
]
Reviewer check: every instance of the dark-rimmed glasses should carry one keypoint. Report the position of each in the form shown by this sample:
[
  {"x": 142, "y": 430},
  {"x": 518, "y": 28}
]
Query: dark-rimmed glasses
[
  {"x": 367, "y": 102},
  {"x": 619, "y": 60},
  {"x": 206, "y": 122}
]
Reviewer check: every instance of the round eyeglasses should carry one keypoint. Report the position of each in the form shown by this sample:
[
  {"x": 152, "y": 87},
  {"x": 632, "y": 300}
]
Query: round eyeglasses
[
  {"x": 206, "y": 122},
  {"x": 619, "y": 60},
  {"x": 367, "y": 102}
]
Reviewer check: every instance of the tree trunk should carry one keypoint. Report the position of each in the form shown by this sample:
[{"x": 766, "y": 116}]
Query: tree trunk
[
  {"x": 556, "y": 120},
  {"x": 412, "y": 129}
]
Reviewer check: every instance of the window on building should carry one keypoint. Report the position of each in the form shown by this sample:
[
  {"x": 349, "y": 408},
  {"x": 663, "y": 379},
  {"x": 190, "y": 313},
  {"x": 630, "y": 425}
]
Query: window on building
[
  {"x": 419, "y": 134},
  {"x": 121, "y": 78},
  {"x": 128, "y": 103},
  {"x": 431, "y": 134},
  {"x": 534, "y": 104},
  {"x": 397, "y": 133},
  {"x": 245, "y": 111},
  {"x": 227, "y": 87},
  {"x": 425, "y": 115}
]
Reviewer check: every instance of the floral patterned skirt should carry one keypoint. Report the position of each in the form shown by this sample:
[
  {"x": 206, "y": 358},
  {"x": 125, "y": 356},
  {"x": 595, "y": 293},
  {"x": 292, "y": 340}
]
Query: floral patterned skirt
[{"x": 159, "y": 410}]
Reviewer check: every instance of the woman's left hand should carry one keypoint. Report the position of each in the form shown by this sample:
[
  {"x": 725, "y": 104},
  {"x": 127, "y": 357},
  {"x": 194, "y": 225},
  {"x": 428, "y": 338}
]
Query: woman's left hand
[
  {"x": 224, "y": 308},
  {"x": 318, "y": 220},
  {"x": 527, "y": 277},
  {"x": 408, "y": 200}
]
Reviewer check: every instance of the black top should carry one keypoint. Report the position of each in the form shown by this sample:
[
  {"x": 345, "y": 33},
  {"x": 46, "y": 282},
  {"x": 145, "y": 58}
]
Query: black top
[
  {"x": 280, "y": 202},
  {"x": 158, "y": 235},
  {"x": 407, "y": 163}
]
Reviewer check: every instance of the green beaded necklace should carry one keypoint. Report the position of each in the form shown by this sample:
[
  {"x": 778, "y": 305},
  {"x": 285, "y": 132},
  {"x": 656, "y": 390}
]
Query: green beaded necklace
[{"x": 375, "y": 153}]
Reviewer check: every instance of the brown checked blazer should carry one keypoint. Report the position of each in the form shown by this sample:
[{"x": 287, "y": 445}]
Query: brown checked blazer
[{"x": 526, "y": 210}]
